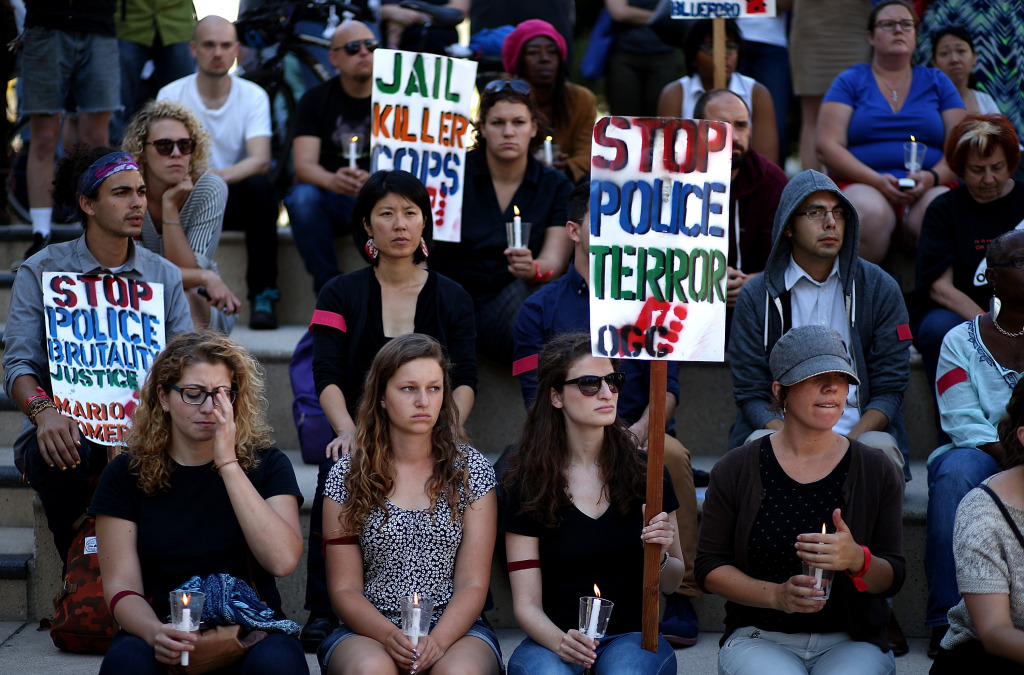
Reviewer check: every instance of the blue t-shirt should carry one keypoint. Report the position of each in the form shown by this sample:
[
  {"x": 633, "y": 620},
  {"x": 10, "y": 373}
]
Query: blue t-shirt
[{"x": 876, "y": 134}]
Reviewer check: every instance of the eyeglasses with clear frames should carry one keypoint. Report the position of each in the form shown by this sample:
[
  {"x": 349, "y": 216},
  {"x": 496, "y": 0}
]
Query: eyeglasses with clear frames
[
  {"x": 839, "y": 213},
  {"x": 198, "y": 395},
  {"x": 889, "y": 26}
]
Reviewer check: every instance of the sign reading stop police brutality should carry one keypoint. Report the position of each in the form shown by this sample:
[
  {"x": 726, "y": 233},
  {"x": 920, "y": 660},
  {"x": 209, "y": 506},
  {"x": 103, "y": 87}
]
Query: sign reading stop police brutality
[
  {"x": 102, "y": 334},
  {"x": 659, "y": 198},
  {"x": 725, "y": 9},
  {"x": 421, "y": 108}
]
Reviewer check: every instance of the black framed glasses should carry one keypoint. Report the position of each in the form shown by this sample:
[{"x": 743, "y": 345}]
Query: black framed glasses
[
  {"x": 165, "y": 146},
  {"x": 518, "y": 86},
  {"x": 198, "y": 395},
  {"x": 352, "y": 48},
  {"x": 1016, "y": 262},
  {"x": 839, "y": 213},
  {"x": 889, "y": 26},
  {"x": 589, "y": 385}
]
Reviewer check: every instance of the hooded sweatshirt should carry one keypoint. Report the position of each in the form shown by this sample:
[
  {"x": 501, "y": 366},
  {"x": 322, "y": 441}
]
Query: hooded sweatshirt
[{"x": 877, "y": 316}]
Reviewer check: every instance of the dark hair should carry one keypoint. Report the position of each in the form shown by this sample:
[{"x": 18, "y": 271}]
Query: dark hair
[
  {"x": 377, "y": 187},
  {"x": 998, "y": 246},
  {"x": 960, "y": 33},
  {"x": 983, "y": 134},
  {"x": 707, "y": 97},
  {"x": 1008, "y": 425},
  {"x": 559, "y": 104},
  {"x": 69, "y": 169},
  {"x": 538, "y": 468},
  {"x": 371, "y": 476},
  {"x": 887, "y": 3},
  {"x": 700, "y": 31},
  {"x": 778, "y": 403},
  {"x": 488, "y": 100},
  {"x": 579, "y": 202}
]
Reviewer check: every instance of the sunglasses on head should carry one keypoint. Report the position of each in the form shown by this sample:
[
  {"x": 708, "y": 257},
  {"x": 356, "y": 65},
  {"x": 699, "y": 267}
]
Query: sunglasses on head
[
  {"x": 352, "y": 48},
  {"x": 165, "y": 146},
  {"x": 518, "y": 86},
  {"x": 589, "y": 385}
]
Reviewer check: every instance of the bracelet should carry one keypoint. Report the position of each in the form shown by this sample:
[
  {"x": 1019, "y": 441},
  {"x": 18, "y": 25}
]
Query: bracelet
[
  {"x": 664, "y": 561},
  {"x": 858, "y": 578},
  {"x": 538, "y": 277},
  {"x": 36, "y": 405},
  {"x": 218, "y": 467},
  {"x": 935, "y": 175},
  {"x": 172, "y": 222}
]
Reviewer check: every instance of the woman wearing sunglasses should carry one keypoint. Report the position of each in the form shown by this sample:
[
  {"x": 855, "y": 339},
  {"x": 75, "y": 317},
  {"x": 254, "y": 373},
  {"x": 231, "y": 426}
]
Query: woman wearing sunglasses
[
  {"x": 200, "y": 491},
  {"x": 503, "y": 176},
  {"x": 185, "y": 208},
  {"x": 574, "y": 517},
  {"x": 804, "y": 494}
]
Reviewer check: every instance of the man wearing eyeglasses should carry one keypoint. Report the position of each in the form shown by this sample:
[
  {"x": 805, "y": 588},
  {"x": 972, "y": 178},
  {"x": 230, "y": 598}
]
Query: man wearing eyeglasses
[
  {"x": 813, "y": 276},
  {"x": 236, "y": 113},
  {"x": 330, "y": 117}
]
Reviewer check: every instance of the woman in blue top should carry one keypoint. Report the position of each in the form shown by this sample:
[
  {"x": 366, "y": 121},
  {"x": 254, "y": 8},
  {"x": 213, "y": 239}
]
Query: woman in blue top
[{"x": 869, "y": 112}]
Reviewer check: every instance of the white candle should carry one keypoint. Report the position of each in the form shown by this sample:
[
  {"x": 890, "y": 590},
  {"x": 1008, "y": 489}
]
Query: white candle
[
  {"x": 186, "y": 624},
  {"x": 595, "y": 615},
  {"x": 353, "y": 147},
  {"x": 415, "y": 637},
  {"x": 548, "y": 155},
  {"x": 817, "y": 570},
  {"x": 517, "y": 228},
  {"x": 913, "y": 154}
]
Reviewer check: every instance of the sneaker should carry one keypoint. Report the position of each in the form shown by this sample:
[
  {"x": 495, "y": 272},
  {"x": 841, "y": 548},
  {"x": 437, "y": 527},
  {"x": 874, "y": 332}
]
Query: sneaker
[
  {"x": 316, "y": 630},
  {"x": 39, "y": 242},
  {"x": 679, "y": 624},
  {"x": 263, "y": 315}
]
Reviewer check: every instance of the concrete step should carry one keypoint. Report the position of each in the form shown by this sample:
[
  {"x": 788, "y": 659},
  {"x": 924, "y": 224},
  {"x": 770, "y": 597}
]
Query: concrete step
[{"x": 16, "y": 554}]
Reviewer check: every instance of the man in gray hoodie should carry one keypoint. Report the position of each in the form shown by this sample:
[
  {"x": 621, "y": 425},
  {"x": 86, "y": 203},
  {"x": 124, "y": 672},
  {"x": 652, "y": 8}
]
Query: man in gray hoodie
[{"x": 813, "y": 275}]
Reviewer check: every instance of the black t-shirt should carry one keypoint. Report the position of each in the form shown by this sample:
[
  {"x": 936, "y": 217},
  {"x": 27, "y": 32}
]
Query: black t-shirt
[
  {"x": 191, "y": 529},
  {"x": 94, "y": 16},
  {"x": 956, "y": 233},
  {"x": 583, "y": 551},
  {"x": 334, "y": 117},
  {"x": 477, "y": 262}
]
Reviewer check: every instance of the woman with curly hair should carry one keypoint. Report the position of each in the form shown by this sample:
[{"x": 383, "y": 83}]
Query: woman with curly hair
[
  {"x": 185, "y": 205},
  {"x": 200, "y": 491},
  {"x": 410, "y": 510},
  {"x": 574, "y": 517}
]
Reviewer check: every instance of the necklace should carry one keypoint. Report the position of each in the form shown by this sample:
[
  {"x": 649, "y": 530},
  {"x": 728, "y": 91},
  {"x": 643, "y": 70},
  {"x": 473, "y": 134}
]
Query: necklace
[
  {"x": 1005, "y": 332},
  {"x": 895, "y": 96}
]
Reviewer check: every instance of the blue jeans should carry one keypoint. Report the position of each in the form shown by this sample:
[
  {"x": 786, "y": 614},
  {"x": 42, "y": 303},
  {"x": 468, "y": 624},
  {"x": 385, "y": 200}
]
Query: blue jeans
[
  {"x": 769, "y": 65},
  {"x": 277, "y": 653},
  {"x": 616, "y": 655},
  {"x": 751, "y": 650},
  {"x": 170, "y": 63},
  {"x": 951, "y": 475},
  {"x": 316, "y": 216}
]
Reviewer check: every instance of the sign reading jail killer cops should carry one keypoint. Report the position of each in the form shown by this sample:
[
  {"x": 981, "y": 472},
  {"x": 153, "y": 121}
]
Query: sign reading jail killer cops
[
  {"x": 659, "y": 198},
  {"x": 103, "y": 333},
  {"x": 728, "y": 9},
  {"x": 421, "y": 108}
]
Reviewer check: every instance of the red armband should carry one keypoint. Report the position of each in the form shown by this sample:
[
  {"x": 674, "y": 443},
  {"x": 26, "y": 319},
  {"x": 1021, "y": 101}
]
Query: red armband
[
  {"x": 120, "y": 595},
  {"x": 858, "y": 578},
  {"x": 523, "y": 565}
]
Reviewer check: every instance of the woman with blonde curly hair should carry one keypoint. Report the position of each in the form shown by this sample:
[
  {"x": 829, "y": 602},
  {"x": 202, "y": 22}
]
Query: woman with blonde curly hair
[
  {"x": 200, "y": 491},
  {"x": 185, "y": 205},
  {"x": 410, "y": 510}
]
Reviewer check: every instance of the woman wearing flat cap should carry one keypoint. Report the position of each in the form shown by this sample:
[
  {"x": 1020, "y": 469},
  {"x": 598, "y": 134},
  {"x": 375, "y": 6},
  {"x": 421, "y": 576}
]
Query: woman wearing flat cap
[{"x": 808, "y": 494}]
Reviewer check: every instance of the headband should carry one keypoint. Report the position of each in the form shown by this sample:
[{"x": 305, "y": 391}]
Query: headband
[{"x": 103, "y": 168}]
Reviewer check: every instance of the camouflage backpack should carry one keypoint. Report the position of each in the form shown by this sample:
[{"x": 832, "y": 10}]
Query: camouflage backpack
[{"x": 82, "y": 622}]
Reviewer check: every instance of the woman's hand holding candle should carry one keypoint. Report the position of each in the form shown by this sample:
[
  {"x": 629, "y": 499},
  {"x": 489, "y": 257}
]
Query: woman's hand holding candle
[
  {"x": 836, "y": 551},
  {"x": 169, "y": 643},
  {"x": 577, "y": 648},
  {"x": 521, "y": 263}
]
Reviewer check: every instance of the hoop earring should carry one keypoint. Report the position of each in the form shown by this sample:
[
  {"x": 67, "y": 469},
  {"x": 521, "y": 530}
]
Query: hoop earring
[
  {"x": 423, "y": 247},
  {"x": 371, "y": 249}
]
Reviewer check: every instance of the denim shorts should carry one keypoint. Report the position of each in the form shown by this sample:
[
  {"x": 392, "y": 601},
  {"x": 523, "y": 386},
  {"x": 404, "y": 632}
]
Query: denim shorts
[
  {"x": 480, "y": 629},
  {"x": 59, "y": 65}
]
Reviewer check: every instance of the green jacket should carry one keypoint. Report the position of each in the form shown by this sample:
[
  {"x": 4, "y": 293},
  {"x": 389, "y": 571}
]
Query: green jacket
[{"x": 139, "y": 21}]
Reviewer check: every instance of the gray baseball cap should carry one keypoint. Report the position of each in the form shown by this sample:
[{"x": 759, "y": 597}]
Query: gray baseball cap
[{"x": 806, "y": 351}]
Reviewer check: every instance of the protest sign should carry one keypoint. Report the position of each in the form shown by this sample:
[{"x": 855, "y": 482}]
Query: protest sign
[
  {"x": 421, "y": 108},
  {"x": 102, "y": 334},
  {"x": 659, "y": 202},
  {"x": 722, "y": 9}
]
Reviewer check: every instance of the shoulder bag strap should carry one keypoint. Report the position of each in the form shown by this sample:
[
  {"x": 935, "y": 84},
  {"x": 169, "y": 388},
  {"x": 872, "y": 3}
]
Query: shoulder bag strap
[{"x": 1006, "y": 514}]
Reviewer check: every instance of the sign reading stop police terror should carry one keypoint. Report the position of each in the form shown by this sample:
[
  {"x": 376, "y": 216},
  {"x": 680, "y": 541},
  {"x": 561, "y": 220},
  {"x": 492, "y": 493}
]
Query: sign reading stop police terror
[
  {"x": 102, "y": 334},
  {"x": 659, "y": 203}
]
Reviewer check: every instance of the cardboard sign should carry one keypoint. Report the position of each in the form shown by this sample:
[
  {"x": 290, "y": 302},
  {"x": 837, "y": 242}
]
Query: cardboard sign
[
  {"x": 421, "y": 108},
  {"x": 659, "y": 238},
  {"x": 103, "y": 333},
  {"x": 734, "y": 9}
]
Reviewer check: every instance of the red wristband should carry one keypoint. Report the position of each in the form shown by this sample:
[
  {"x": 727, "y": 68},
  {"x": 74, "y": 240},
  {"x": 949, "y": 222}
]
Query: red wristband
[
  {"x": 538, "y": 277},
  {"x": 858, "y": 578}
]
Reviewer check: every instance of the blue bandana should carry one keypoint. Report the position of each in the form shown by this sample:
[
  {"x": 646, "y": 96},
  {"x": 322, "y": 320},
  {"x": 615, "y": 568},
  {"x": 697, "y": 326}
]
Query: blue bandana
[{"x": 103, "y": 168}]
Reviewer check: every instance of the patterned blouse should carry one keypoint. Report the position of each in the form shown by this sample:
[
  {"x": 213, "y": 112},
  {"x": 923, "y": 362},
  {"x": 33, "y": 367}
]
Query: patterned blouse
[{"x": 413, "y": 551}]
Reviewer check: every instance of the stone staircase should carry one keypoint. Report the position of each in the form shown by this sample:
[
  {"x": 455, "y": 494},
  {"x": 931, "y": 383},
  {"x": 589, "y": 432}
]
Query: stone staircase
[{"x": 30, "y": 569}]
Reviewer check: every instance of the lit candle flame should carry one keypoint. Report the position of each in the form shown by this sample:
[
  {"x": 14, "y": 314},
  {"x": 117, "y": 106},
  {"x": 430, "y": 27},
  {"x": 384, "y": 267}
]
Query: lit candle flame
[
  {"x": 912, "y": 139},
  {"x": 356, "y": 138},
  {"x": 548, "y": 139},
  {"x": 823, "y": 529},
  {"x": 415, "y": 599},
  {"x": 185, "y": 598},
  {"x": 515, "y": 209},
  {"x": 597, "y": 591}
]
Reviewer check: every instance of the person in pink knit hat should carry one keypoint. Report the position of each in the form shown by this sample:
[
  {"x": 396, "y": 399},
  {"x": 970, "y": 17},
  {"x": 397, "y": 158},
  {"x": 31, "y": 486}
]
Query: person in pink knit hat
[{"x": 536, "y": 53}]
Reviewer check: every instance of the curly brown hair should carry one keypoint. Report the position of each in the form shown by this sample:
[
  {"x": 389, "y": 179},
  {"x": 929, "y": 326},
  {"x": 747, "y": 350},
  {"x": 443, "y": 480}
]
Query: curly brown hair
[
  {"x": 371, "y": 477},
  {"x": 537, "y": 469},
  {"x": 1008, "y": 425},
  {"x": 138, "y": 129},
  {"x": 150, "y": 434}
]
